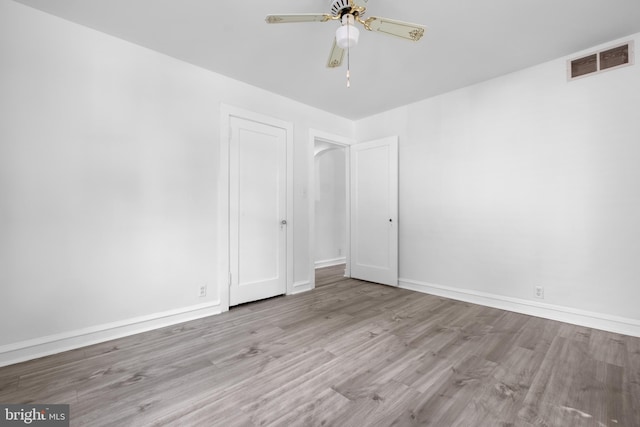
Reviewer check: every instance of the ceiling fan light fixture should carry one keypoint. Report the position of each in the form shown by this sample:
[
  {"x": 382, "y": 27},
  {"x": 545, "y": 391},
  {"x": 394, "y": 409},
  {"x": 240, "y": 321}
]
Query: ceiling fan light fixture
[
  {"x": 349, "y": 12},
  {"x": 347, "y": 35}
]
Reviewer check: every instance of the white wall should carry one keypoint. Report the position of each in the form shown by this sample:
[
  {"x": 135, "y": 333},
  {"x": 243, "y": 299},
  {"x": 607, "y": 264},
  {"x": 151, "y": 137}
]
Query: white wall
[
  {"x": 108, "y": 179},
  {"x": 522, "y": 181},
  {"x": 330, "y": 207}
]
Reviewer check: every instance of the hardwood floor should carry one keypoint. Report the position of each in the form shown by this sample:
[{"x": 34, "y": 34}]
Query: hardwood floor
[{"x": 348, "y": 353}]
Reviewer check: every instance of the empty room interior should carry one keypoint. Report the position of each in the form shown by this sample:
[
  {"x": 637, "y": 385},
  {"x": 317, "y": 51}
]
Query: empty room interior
[{"x": 316, "y": 212}]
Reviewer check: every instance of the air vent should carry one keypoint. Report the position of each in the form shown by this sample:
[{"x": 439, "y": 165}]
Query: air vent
[
  {"x": 614, "y": 57},
  {"x": 583, "y": 66},
  {"x": 603, "y": 60}
]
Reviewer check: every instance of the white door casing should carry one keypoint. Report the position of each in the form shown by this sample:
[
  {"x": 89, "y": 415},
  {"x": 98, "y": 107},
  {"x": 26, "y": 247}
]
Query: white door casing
[{"x": 374, "y": 211}]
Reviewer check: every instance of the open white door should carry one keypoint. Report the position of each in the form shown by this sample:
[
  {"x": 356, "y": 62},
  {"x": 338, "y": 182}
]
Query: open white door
[
  {"x": 374, "y": 211},
  {"x": 257, "y": 210}
]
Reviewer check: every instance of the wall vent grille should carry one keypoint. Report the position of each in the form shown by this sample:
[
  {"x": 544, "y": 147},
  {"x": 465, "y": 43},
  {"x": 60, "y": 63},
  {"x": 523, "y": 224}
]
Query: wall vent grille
[{"x": 603, "y": 60}]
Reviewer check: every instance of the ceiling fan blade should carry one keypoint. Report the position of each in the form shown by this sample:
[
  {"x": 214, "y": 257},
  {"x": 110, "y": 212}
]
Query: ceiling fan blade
[
  {"x": 302, "y": 17},
  {"x": 402, "y": 29},
  {"x": 335, "y": 58}
]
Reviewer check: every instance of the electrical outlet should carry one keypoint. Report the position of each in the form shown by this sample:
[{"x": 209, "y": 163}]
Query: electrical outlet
[
  {"x": 539, "y": 292},
  {"x": 203, "y": 291},
  {"x": 339, "y": 251}
]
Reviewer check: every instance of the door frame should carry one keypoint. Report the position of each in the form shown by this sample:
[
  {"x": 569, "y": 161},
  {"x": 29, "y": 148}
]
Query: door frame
[
  {"x": 224, "y": 225},
  {"x": 319, "y": 136}
]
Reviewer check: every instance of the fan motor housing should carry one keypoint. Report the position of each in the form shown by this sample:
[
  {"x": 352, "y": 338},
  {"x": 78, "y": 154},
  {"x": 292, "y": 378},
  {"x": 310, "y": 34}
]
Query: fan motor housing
[{"x": 340, "y": 7}]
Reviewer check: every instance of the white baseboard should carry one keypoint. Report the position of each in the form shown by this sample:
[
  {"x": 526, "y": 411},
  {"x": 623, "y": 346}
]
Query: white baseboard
[
  {"x": 302, "y": 286},
  {"x": 605, "y": 322},
  {"x": 45, "y": 346},
  {"x": 330, "y": 262}
]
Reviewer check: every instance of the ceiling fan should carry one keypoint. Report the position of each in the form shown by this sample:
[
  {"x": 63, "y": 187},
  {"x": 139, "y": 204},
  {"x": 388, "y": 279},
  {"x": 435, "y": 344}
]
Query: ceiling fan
[{"x": 348, "y": 13}]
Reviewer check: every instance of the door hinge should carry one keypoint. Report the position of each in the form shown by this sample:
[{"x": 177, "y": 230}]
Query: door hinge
[{"x": 230, "y": 278}]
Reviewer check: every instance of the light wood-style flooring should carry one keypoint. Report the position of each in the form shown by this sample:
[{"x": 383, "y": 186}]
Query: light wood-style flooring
[{"x": 348, "y": 353}]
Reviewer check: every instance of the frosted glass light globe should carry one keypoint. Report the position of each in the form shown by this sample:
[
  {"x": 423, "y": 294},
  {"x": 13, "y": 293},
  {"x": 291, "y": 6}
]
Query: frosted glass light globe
[{"x": 347, "y": 35}]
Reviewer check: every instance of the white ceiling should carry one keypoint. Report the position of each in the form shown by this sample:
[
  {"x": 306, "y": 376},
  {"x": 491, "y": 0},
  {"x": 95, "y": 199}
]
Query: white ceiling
[{"x": 467, "y": 41}]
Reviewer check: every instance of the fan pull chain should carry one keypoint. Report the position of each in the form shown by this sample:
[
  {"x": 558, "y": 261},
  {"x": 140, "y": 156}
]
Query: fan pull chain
[{"x": 348, "y": 58}]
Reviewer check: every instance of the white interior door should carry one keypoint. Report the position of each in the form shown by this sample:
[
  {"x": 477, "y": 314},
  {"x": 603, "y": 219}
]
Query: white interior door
[
  {"x": 257, "y": 211},
  {"x": 374, "y": 211}
]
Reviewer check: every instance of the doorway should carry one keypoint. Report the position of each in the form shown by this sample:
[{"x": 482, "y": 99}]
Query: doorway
[
  {"x": 371, "y": 173},
  {"x": 329, "y": 203}
]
